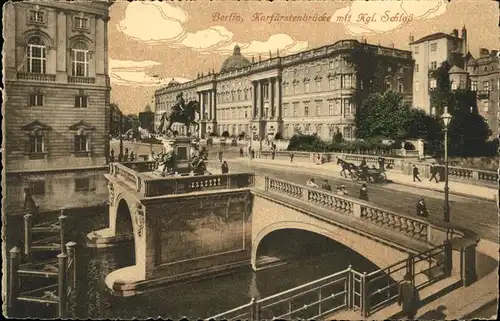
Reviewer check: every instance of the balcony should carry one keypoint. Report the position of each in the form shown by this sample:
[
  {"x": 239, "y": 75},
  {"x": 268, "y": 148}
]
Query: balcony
[
  {"x": 81, "y": 80},
  {"x": 35, "y": 77},
  {"x": 483, "y": 94}
]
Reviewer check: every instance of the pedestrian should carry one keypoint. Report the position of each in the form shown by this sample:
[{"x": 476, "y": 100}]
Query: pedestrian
[
  {"x": 318, "y": 159},
  {"x": 112, "y": 156},
  {"x": 273, "y": 153},
  {"x": 132, "y": 156},
  {"x": 363, "y": 193},
  {"x": 220, "y": 156},
  {"x": 326, "y": 186},
  {"x": 421, "y": 208},
  {"x": 416, "y": 173},
  {"x": 224, "y": 168},
  {"x": 381, "y": 163},
  {"x": 312, "y": 183},
  {"x": 125, "y": 156},
  {"x": 252, "y": 153},
  {"x": 241, "y": 151},
  {"x": 249, "y": 149},
  {"x": 364, "y": 170},
  {"x": 291, "y": 157},
  {"x": 434, "y": 172},
  {"x": 363, "y": 162},
  {"x": 408, "y": 297}
]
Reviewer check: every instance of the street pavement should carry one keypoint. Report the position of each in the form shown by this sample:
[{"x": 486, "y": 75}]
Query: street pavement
[{"x": 477, "y": 215}]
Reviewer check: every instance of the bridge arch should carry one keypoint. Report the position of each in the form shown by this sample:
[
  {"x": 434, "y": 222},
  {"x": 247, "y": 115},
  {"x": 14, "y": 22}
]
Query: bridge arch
[
  {"x": 378, "y": 254},
  {"x": 123, "y": 222}
]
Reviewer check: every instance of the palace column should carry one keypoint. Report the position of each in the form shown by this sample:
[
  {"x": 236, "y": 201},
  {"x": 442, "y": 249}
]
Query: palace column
[
  {"x": 278, "y": 96},
  {"x": 261, "y": 99},
  {"x": 209, "y": 94},
  {"x": 273, "y": 94},
  {"x": 254, "y": 103}
]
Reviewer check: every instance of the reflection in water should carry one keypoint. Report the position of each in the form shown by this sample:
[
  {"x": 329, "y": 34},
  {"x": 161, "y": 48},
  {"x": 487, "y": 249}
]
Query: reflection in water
[{"x": 198, "y": 299}]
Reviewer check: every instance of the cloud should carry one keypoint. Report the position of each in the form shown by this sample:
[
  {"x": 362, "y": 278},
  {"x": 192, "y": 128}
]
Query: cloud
[
  {"x": 134, "y": 73},
  {"x": 166, "y": 25},
  {"x": 373, "y": 17}
]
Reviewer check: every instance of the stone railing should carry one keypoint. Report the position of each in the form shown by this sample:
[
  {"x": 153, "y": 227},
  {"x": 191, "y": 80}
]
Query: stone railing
[
  {"x": 127, "y": 174},
  {"x": 401, "y": 165},
  {"x": 81, "y": 80},
  {"x": 35, "y": 76},
  {"x": 141, "y": 166},
  {"x": 188, "y": 184},
  {"x": 413, "y": 227}
]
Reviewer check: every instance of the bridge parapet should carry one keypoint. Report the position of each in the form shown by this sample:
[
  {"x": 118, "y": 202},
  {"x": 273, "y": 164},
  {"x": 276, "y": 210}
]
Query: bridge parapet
[
  {"x": 419, "y": 229},
  {"x": 138, "y": 176}
]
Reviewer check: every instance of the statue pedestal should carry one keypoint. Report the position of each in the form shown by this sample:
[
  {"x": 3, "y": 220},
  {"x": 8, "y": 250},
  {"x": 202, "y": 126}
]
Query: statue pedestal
[{"x": 182, "y": 147}]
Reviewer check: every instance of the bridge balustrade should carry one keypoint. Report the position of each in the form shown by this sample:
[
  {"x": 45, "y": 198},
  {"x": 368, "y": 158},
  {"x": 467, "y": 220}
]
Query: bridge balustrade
[
  {"x": 398, "y": 164},
  {"x": 410, "y": 226},
  {"x": 133, "y": 173},
  {"x": 346, "y": 290}
]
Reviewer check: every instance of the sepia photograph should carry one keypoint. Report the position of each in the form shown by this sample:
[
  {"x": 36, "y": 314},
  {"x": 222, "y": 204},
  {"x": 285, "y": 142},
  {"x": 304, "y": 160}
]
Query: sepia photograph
[{"x": 250, "y": 160}]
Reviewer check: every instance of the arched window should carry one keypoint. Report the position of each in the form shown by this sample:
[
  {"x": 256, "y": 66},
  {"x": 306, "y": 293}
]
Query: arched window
[
  {"x": 80, "y": 60},
  {"x": 36, "y": 55}
]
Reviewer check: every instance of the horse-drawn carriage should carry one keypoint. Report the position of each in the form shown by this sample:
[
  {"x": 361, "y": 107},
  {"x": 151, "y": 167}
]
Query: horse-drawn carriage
[{"x": 357, "y": 173}]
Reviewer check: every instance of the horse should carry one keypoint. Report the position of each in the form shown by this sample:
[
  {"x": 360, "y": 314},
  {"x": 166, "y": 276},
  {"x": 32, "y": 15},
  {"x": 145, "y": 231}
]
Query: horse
[
  {"x": 345, "y": 166},
  {"x": 187, "y": 117}
]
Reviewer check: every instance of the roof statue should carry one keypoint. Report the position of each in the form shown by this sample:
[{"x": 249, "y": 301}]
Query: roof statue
[{"x": 236, "y": 61}]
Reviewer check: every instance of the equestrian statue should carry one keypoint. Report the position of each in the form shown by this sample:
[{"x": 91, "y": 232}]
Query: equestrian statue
[{"x": 181, "y": 112}]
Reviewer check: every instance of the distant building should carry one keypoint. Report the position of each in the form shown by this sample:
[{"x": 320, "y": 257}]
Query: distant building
[
  {"x": 311, "y": 91},
  {"x": 147, "y": 120},
  {"x": 57, "y": 91},
  {"x": 116, "y": 118},
  {"x": 429, "y": 52}
]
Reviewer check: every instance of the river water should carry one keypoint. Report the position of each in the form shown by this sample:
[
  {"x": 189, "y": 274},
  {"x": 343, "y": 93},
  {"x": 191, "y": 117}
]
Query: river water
[{"x": 200, "y": 299}]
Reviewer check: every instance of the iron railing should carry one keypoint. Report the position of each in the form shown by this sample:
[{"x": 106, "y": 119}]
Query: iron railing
[{"x": 364, "y": 293}]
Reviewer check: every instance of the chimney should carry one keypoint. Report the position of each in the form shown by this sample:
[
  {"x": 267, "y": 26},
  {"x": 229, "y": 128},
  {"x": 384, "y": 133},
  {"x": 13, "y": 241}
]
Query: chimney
[
  {"x": 483, "y": 52},
  {"x": 455, "y": 33},
  {"x": 411, "y": 39}
]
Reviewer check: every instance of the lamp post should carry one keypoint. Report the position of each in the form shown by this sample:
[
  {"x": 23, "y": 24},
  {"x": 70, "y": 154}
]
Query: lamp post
[
  {"x": 446, "y": 121},
  {"x": 121, "y": 138}
]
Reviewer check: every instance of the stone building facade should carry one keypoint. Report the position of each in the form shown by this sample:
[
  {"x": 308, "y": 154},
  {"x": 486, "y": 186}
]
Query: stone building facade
[
  {"x": 311, "y": 92},
  {"x": 57, "y": 92}
]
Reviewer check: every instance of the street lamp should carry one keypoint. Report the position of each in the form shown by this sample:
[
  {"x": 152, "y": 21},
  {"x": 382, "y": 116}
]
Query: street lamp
[{"x": 446, "y": 121}]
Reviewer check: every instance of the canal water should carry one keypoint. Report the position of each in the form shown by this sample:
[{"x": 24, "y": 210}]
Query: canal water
[{"x": 199, "y": 299}]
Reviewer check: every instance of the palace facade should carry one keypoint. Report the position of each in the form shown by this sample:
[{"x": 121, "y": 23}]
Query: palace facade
[
  {"x": 57, "y": 92},
  {"x": 312, "y": 91}
]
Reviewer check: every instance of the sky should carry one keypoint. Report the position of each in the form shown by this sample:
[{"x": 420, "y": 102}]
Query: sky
[{"x": 151, "y": 43}]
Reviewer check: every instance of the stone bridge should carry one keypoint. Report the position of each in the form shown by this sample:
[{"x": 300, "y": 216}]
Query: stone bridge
[{"x": 190, "y": 226}]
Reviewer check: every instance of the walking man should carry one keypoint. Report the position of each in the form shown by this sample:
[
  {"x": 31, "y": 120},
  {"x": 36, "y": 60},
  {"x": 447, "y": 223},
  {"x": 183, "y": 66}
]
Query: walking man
[
  {"x": 291, "y": 157},
  {"x": 224, "y": 168},
  {"x": 416, "y": 173},
  {"x": 434, "y": 171},
  {"x": 421, "y": 208},
  {"x": 241, "y": 151},
  {"x": 363, "y": 193},
  {"x": 408, "y": 297},
  {"x": 326, "y": 186},
  {"x": 381, "y": 163}
]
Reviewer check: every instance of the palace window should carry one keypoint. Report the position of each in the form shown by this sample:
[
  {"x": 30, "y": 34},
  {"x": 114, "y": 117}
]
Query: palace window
[
  {"x": 348, "y": 132},
  {"x": 330, "y": 108},
  {"x": 400, "y": 87},
  {"x": 331, "y": 131},
  {"x": 36, "y": 56},
  {"x": 331, "y": 64},
  {"x": 432, "y": 84},
  {"x": 486, "y": 85},
  {"x": 36, "y": 100},
  {"x": 265, "y": 90},
  {"x": 416, "y": 67},
  {"x": 306, "y": 87},
  {"x": 318, "y": 85},
  {"x": 81, "y": 101},
  {"x": 82, "y": 184},
  {"x": 361, "y": 85},
  {"x": 462, "y": 84},
  {"x": 306, "y": 71},
  {"x": 37, "y": 187},
  {"x": 318, "y": 108},
  {"x": 454, "y": 85},
  {"x": 285, "y": 110},
  {"x": 36, "y": 16},
  {"x": 295, "y": 107},
  {"x": 415, "y": 50},
  {"x": 348, "y": 107},
  {"x": 331, "y": 83},
  {"x": 306, "y": 109},
  {"x": 36, "y": 143},
  {"x": 307, "y": 129},
  {"x": 246, "y": 114},
  {"x": 318, "y": 68},
  {"x": 245, "y": 94},
  {"x": 81, "y": 143},
  {"x": 433, "y": 65},
  {"x": 81, "y": 22},
  {"x": 295, "y": 89},
  {"x": 337, "y": 107},
  {"x": 347, "y": 81},
  {"x": 285, "y": 89},
  {"x": 80, "y": 59},
  {"x": 433, "y": 47},
  {"x": 417, "y": 86}
]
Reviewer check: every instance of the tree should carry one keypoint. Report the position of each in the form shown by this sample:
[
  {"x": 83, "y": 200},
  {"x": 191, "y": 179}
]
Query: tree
[
  {"x": 278, "y": 136},
  {"x": 468, "y": 130},
  {"x": 147, "y": 108},
  {"x": 388, "y": 116},
  {"x": 311, "y": 143},
  {"x": 337, "y": 137}
]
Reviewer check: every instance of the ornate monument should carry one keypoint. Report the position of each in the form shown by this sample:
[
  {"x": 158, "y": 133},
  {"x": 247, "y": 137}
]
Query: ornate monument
[{"x": 179, "y": 156}]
